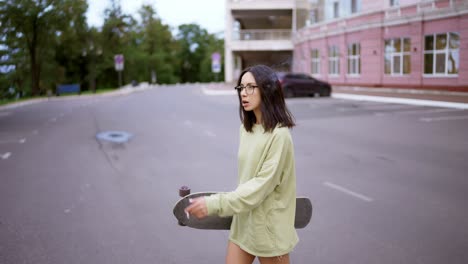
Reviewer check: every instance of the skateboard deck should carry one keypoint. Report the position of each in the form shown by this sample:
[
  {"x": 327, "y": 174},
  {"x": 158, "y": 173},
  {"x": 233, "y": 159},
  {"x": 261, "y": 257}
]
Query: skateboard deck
[{"x": 303, "y": 214}]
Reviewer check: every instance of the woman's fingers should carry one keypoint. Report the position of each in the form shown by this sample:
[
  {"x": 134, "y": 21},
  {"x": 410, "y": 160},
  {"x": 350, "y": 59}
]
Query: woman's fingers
[
  {"x": 193, "y": 207},
  {"x": 189, "y": 208},
  {"x": 197, "y": 208}
]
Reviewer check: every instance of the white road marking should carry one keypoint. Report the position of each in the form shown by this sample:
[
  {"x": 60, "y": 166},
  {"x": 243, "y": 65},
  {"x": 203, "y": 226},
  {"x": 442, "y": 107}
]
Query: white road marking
[
  {"x": 209, "y": 133},
  {"x": 399, "y": 100},
  {"x": 422, "y": 111},
  {"x": 443, "y": 118},
  {"x": 6, "y": 155},
  {"x": 380, "y": 107},
  {"x": 218, "y": 92},
  {"x": 343, "y": 109},
  {"x": 9, "y": 141},
  {"x": 35, "y": 132},
  {"x": 347, "y": 191},
  {"x": 53, "y": 119},
  {"x": 385, "y": 106},
  {"x": 366, "y": 103}
]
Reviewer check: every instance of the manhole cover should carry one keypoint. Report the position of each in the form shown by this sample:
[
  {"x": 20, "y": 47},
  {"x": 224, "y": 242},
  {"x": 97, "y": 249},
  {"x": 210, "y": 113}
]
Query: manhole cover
[{"x": 114, "y": 136}]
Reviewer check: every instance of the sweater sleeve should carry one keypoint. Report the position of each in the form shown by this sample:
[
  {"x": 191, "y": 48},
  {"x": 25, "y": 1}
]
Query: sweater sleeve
[{"x": 251, "y": 194}]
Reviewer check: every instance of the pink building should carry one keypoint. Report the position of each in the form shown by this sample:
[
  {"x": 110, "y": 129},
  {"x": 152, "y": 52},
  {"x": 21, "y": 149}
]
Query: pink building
[{"x": 386, "y": 43}]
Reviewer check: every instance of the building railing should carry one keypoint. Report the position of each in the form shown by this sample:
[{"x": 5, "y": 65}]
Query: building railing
[
  {"x": 250, "y": 1},
  {"x": 262, "y": 34}
]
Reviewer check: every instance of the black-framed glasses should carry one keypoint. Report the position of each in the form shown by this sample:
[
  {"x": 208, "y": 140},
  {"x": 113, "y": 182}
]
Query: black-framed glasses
[{"x": 249, "y": 88}]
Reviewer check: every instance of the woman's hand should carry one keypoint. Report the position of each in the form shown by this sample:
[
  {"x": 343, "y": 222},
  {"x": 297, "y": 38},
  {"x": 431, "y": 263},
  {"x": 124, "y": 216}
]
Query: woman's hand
[{"x": 197, "y": 208}]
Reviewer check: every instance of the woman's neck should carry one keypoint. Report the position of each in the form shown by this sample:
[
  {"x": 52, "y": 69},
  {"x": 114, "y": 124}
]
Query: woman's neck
[{"x": 258, "y": 116}]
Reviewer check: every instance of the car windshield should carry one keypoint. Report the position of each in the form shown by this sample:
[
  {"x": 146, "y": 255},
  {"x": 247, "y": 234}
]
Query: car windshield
[{"x": 280, "y": 75}]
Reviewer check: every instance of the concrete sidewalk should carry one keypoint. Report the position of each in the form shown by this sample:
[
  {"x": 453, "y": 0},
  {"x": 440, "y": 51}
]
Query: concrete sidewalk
[
  {"x": 443, "y": 96},
  {"x": 458, "y": 100}
]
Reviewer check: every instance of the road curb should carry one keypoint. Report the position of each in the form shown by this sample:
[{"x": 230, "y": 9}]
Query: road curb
[
  {"x": 344, "y": 89},
  {"x": 395, "y": 100},
  {"x": 122, "y": 91}
]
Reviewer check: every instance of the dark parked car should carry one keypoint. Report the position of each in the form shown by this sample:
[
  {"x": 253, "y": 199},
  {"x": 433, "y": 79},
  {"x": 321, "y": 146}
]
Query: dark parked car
[{"x": 296, "y": 84}]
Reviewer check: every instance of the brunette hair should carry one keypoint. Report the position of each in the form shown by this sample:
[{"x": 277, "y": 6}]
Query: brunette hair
[{"x": 272, "y": 106}]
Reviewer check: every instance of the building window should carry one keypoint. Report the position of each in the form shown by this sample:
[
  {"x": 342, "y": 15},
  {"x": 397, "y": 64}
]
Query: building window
[
  {"x": 394, "y": 2},
  {"x": 336, "y": 9},
  {"x": 354, "y": 6},
  {"x": 313, "y": 16},
  {"x": 442, "y": 54},
  {"x": 397, "y": 56},
  {"x": 315, "y": 55},
  {"x": 354, "y": 59},
  {"x": 333, "y": 60}
]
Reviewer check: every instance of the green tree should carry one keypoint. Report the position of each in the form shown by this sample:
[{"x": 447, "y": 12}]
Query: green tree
[
  {"x": 116, "y": 38},
  {"x": 158, "y": 46},
  {"x": 48, "y": 42},
  {"x": 214, "y": 44},
  {"x": 33, "y": 27},
  {"x": 196, "y": 47},
  {"x": 192, "y": 40},
  {"x": 14, "y": 65},
  {"x": 148, "y": 47},
  {"x": 71, "y": 48},
  {"x": 94, "y": 59}
]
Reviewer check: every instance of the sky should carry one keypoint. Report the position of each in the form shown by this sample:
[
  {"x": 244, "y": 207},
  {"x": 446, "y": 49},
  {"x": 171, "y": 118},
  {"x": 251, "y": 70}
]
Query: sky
[{"x": 209, "y": 14}]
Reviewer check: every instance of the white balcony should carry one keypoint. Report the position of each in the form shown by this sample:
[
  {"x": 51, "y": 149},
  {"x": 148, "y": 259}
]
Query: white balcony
[
  {"x": 260, "y": 4},
  {"x": 262, "y": 34},
  {"x": 249, "y": 40}
]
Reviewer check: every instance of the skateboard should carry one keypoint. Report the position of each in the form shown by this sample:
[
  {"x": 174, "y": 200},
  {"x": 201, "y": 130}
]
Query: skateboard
[{"x": 303, "y": 214}]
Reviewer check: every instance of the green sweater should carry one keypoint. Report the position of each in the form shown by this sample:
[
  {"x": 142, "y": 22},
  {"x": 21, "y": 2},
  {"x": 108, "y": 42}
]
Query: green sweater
[{"x": 264, "y": 203}]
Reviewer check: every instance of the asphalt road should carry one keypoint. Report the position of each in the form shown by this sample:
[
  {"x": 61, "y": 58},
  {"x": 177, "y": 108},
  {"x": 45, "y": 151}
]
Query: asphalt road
[{"x": 388, "y": 182}]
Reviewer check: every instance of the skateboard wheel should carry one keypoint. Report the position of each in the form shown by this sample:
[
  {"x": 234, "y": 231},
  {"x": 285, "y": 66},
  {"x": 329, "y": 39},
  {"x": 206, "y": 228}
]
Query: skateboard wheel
[
  {"x": 181, "y": 224},
  {"x": 184, "y": 191}
]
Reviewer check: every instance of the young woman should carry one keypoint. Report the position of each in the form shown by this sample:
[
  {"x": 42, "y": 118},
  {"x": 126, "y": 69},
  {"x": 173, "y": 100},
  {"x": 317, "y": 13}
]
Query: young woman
[{"x": 264, "y": 203}]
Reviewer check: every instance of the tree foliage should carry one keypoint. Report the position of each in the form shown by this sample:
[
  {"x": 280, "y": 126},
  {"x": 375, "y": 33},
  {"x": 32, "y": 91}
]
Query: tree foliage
[
  {"x": 30, "y": 29},
  {"x": 48, "y": 42}
]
